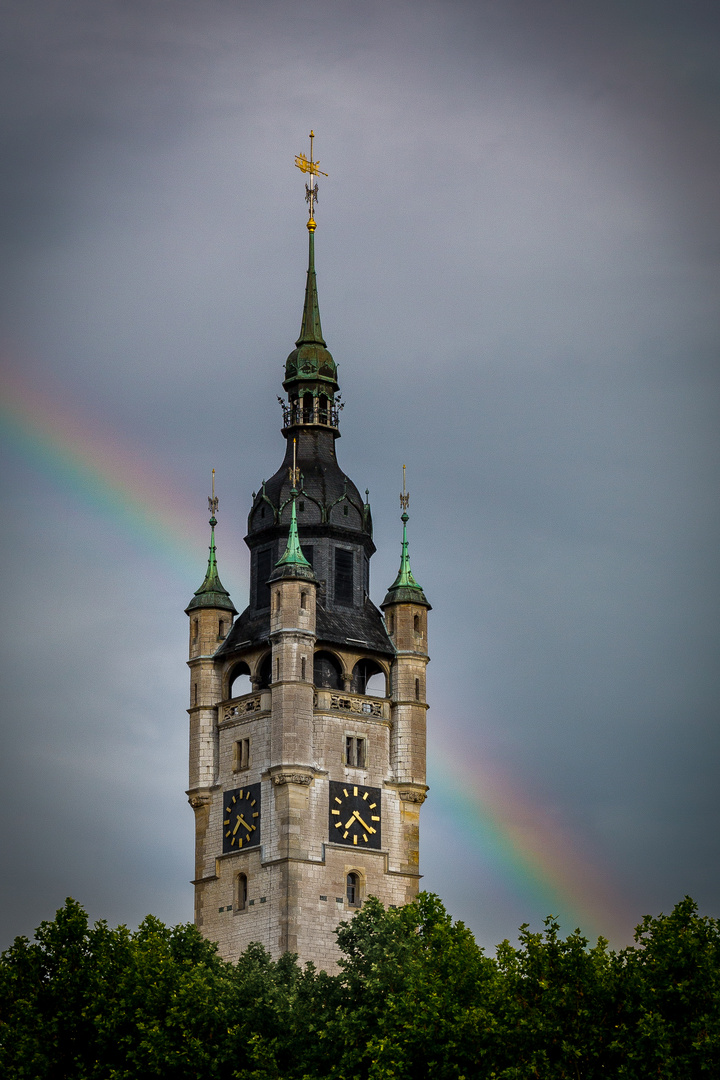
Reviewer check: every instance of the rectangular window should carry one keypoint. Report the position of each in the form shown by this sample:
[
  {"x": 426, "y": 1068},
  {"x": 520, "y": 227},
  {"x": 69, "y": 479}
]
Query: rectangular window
[
  {"x": 241, "y": 755},
  {"x": 355, "y": 755},
  {"x": 343, "y": 577},
  {"x": 262, "y": 589}
]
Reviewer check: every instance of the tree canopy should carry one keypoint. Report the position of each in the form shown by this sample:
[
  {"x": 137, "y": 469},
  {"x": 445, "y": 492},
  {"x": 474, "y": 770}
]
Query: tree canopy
[{"x": 414, "y": 997}]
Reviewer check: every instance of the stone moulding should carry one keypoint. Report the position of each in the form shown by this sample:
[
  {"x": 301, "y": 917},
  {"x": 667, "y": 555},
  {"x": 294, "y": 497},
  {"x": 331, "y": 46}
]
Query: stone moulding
[{"x": 291, "y": 778}]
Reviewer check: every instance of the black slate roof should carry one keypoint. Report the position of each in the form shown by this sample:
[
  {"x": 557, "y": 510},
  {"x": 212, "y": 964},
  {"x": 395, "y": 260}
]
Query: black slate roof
[{"x": 351, "y": 627}]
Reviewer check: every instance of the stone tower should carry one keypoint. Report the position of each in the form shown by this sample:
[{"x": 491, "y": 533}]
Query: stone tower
[{"x": 307, "y": 711}]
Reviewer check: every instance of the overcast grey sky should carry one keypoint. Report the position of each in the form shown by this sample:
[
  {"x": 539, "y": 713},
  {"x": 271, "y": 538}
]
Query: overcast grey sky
[{"x": 518, "y": 249}]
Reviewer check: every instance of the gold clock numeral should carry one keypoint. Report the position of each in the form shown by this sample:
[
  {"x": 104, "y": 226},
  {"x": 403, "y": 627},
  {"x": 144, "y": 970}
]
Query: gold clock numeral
[
  {"x": 227, "y": 834},
  {"x": 365, "y": 796},
  {"x": 253, "y": 802},
  {"x": 365, "y": 838},
  {"x": 345, "y": 835},
  {"x": 226, "y": 822},
  {"x": 374, "y": 817},
  {"x": 354, "y": 838},
  {"x": 234, "y": 799},
  {"x": 338, "y": 801},
  {"x": 339, "y": 825},
  {"x": 334, "y": 811},
  {"x": 256, "y": 814},
  {"x": 355, "y": 792},
  {"x": 239, "y": 841},
  {"x": 345, "y": 793}
]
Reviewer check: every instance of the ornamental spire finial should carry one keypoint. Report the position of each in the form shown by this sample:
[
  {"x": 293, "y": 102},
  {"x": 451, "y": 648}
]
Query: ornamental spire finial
[
  {"x": 212, "y": 593},
  {"x": 405, "y": 588},
  {"x": 307, "y": 165}
]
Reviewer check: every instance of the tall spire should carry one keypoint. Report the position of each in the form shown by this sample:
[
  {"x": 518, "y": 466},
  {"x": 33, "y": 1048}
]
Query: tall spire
[
  {"x": 212, "y": 593},
  {"x": 405, "y": 588},
  {"x": 311, "y": 330},
  {"x": 310, "y": 361}
]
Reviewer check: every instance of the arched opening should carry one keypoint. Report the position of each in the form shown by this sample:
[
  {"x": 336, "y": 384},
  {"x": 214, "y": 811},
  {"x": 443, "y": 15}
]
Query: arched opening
[
  {"x": 239, "y": 681},
  {"x": 368, "y": 678},
  {"x": 353, "y": 889},
  {"x": 265, "y": 673},
  {"x": 327, "y": 672},
  {"x": 241, "y": 892},
  {"x": 308, "y": 408},
  {"x": 323, "y": 409}
]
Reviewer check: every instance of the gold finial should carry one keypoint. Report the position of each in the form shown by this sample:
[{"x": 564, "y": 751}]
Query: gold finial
[
  {"x": 307, "y": 165},
  {"x": 405, "y": 497},
  {"x": 212, "y": 499},
  {"x": 294, "y": 471}
]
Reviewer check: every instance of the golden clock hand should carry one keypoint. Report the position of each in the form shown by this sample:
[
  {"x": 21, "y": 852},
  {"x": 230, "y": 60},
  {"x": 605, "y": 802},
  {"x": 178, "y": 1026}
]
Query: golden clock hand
[
  {"x": 350, "y": 822},
  {"x": 237, "y": 826},
  {"x": 367, "y": 828},
  {"x": 248, "y": 827}
]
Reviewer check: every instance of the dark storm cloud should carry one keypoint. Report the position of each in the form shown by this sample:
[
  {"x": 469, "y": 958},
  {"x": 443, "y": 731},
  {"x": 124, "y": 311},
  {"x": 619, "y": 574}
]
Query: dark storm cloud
[{"x": 518, "y": 270}]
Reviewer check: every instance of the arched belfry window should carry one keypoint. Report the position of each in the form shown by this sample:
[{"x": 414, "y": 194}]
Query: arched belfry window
[
  {"x": 239, "y": 680},
  {"x": 353, "y": 889},
  {"x": 265, "y": 673},
  {"x": 327, "y": 672},
  {"x": 368, "y": 678}
]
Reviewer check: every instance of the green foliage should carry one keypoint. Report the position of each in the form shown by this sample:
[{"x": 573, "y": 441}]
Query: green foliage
[{"x": 415, "y": 997}]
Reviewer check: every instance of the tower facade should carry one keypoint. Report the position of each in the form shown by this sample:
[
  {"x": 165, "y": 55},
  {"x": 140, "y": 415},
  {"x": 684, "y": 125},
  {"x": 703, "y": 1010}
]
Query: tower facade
[{"x": 307, "y": 711}]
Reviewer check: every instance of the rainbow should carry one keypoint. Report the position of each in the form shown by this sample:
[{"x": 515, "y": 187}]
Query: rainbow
[
  {"x": 526, "y": 847},
  {"x": 514, "y": 840},
  {"x": 105, "y": 475}
]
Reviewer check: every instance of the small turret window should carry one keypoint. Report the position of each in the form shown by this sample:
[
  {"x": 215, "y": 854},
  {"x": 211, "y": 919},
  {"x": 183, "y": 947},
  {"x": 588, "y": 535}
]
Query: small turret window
[
  {"x": 391, "y": 623},
  {"x": 417, "y": 689},
  {"x": 303, "y": 600},
  {"x": 416, "y": 623}
]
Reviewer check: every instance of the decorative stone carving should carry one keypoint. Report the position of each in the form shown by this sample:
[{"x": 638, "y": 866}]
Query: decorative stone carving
[
  {"x": 410, "y": 795},
  {"x": 351, "y": 703},
  {"x": 202, "y": 798},
  {"x": 291, "y": 778},
  {"x": 242, "y": 707}
]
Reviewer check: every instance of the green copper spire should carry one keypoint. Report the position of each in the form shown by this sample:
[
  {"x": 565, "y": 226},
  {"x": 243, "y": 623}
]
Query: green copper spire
[
  {"x": 293, "y": 563},
  {"x": 212, "y": 593},
  {"x": 311, "y": 330},
  {"x": 310, "y": 361},
  {"x": 405, "y": 588},
  {"x": 293, "y": 552}
]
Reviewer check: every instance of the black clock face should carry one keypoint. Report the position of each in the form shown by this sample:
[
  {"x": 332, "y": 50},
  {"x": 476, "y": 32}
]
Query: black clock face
[
  {"x": 354, "y": 815},
  {"x": 241, "y": 818}
]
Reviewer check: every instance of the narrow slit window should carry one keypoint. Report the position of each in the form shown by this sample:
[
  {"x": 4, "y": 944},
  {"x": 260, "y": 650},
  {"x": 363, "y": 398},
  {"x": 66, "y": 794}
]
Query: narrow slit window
[
  {"x": 303, "y": 600},
  {"x": 416, "y": 624},
  {"x": 417, "y": 689},
  {"x": 355, "y": 755},
  {"x": 302, "y": 669},
  {"x": 241, "y": 893},
  {"x": 241, "y": 755}
]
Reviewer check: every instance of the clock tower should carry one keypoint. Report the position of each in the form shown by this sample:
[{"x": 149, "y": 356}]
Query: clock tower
[{"x": 307, "y": 711}]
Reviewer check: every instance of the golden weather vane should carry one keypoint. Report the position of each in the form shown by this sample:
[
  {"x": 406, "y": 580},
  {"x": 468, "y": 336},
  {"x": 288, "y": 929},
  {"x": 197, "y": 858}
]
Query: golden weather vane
[
  {"x": 212, "y": 499},
  {"x": 405, "y": 497},
  {"x": 307, "y": 165}
]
